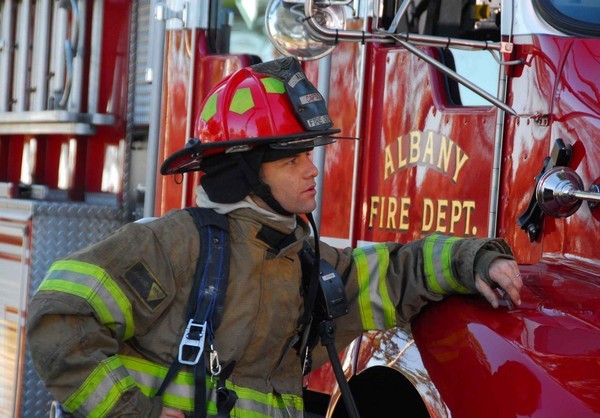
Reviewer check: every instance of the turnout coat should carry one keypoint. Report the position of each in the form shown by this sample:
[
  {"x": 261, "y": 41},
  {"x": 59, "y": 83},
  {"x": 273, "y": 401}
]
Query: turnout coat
[{"x": 106, "y": 322}]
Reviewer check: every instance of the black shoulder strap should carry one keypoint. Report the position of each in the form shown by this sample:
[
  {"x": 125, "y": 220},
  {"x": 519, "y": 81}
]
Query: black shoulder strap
[
  {"x": 212, "y": 271},
  {"x": 206, "y": 300},
  {"x": 324, "y": 300}
]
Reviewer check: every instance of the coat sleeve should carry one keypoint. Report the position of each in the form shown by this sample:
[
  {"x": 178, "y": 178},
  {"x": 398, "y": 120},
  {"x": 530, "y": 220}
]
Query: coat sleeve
[
  {"x": 388, "y": 284},
  {"x": 87, "y": 307}
]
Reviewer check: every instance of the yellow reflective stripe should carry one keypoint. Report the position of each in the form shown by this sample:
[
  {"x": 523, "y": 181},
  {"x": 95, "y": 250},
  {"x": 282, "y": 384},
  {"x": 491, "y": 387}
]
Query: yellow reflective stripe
[
  {"x": 242, "y": 101},
  {"x": 272, "y": 85},
  {"x": 97, "y": 395},
  {"x": 180, "y": 392},
  {"x": 247, "y": 394},
  {"x": 210, "y": 108},
  {"x": 447, "y": 266},
  {"x": 83, "y": 292},
  {"x": 437, "y": 254},
  {"x": 93, "y": 284},
  {"x": 101, "y": 390},
  {"x": 376, "y": 308},
  {"x": 255, "y": 404},
  {"x": 154, "y": 369},
  {"x": 364, "y": 299}
]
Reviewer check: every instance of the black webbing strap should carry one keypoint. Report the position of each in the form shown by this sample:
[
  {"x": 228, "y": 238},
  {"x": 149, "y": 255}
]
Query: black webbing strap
[
  {"x": 310, "y": 283},
  {"x": 331, "y": 307},
  {"x": 226, "y": 398},
  {"x": 205, "y": 305},
  {"x": 212, "y": 271}
]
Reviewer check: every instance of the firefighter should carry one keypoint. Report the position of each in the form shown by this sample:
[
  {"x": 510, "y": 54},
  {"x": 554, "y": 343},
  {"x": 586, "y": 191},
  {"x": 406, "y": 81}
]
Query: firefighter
[{"x": 106, "y": 324}]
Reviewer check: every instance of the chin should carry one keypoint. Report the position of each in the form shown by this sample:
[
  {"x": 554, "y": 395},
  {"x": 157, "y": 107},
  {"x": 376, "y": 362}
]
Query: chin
[
  {"x": 303, "y": 208},
  {"x": 310, "y": 209}
]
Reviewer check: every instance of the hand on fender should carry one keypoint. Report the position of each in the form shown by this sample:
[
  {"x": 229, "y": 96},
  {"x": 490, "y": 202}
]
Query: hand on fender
[{"x": 506, "y": 274}]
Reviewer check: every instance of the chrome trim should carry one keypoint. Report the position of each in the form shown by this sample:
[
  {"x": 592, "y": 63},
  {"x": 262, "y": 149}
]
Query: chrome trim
[
  {"x": 78, "y": 42},
  {"x": 157, "y": 46},
  {"x": 326, "y": 34},
  {"x": 560, "y": 192},
  {"x": 454, "y": 75},
  {"x": 40, "y": 56},
  {"x": 399, "y": 15},
  {"x": 95, "y": 55},
  {"x": 57, "y": 53},
  {"x": 6, "y": 34},
  {"x": 359, "y": 134},
  {"x": 324, "y": 82},
  {"x": 56, "y": 116},
  {"x": 68, "y": 128},
  {"x": 408, "y": 41},
  {"x": 407, "y": 361},
  {"x": 22, "y": 51},
  {"x": 499, "y": 136}
]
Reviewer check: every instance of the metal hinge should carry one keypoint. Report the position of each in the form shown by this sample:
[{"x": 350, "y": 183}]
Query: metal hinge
[{"x": 541, "y": 120}]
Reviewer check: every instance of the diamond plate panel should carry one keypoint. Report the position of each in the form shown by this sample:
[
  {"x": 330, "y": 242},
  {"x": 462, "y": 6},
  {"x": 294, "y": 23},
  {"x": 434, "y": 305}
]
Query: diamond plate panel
[{"x": 58, "y": 230}]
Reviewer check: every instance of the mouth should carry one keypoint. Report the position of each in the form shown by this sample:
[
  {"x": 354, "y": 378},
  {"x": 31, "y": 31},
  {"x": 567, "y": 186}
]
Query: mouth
[{"x": 312, "y": 189}]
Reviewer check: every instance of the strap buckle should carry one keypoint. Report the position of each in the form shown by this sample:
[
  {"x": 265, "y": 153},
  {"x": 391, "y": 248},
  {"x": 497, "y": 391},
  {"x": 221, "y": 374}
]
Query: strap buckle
[{"x": 193, "y": 341}]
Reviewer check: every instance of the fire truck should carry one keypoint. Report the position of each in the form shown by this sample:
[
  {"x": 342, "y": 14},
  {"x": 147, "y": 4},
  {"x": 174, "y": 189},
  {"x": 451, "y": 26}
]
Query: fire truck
[{"x": 470, "y": 118}]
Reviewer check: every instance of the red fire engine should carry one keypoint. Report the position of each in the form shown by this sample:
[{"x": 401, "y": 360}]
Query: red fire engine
[{"x": 473, "y": 118}]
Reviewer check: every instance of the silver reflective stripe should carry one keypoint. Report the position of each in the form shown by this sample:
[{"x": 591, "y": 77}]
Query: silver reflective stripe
[
  {"x": 149, "y": 376},
  {"x": 101, "y": 390},
  {"x": 93, "y": 284},
  {"x": 373, "y": 262},
  {"x": 180, "y": 393},
  {"x": 377, "y": 310},
  {"x": 150, "y": 384},
  {"x": 102, "y": 393},
  {"x": 437, "y": 254},
  {"x": 438, "y": 264}
]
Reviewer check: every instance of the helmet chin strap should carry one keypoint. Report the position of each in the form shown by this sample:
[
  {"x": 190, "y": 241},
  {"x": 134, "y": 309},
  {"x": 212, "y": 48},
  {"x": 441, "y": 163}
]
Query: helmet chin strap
[
  {"x": 263, "y": 191},
  {"x": 259, "y": 187}
]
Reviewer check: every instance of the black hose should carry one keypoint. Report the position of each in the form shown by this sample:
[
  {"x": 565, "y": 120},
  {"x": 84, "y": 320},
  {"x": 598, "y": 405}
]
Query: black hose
[{"x": 327, "y": 332}]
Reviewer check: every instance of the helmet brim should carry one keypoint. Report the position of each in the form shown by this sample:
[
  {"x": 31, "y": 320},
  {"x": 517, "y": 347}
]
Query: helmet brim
[{"x": 189, "y": 158}]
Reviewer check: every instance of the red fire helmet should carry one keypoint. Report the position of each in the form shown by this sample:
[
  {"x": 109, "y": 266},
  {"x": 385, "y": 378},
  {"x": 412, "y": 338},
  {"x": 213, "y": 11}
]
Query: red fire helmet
[{"x": 271, "y": 103}]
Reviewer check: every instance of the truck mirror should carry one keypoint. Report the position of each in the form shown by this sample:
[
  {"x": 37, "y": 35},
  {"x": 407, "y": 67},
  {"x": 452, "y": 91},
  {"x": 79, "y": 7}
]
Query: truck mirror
[{"x": 290, "y": 34}]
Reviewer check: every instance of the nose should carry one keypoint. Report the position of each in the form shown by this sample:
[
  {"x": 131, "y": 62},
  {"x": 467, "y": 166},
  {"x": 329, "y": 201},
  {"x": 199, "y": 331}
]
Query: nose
[{"x": 311, "y": 169}]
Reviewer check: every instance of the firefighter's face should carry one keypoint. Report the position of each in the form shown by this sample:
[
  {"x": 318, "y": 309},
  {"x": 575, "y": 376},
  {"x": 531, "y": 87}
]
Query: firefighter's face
[{"x": 292, "y": 182}]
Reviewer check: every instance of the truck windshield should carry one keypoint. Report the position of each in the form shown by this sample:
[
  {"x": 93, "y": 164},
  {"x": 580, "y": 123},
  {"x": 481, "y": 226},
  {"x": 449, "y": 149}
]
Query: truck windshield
[{"x": 578, "y": 17}]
